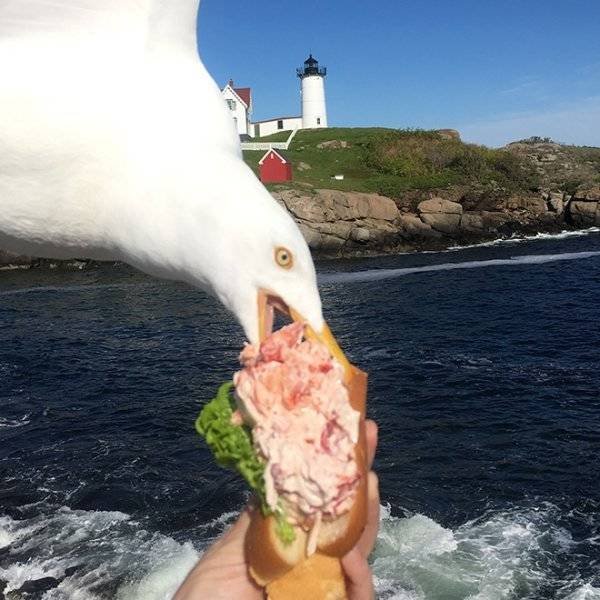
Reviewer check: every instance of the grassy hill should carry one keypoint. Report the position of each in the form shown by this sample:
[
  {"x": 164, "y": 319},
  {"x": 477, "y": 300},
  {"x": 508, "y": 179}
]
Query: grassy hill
[{"x": 393, "y": 162}]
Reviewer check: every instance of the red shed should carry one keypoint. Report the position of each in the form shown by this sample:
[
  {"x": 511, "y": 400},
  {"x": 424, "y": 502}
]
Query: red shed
[{"x": 274, "y": 167}]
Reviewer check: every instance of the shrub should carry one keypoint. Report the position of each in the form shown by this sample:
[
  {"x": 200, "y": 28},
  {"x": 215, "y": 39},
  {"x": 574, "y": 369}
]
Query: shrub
[{"x": 407, "y": 153}]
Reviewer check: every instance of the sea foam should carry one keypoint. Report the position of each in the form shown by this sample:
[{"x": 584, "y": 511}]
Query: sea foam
[
  {"x": 517, "y": 239},
  {"x": 92, "y": 554},
  {"x": 585, "y": 592},
  {"x": 503, "y": 554}
]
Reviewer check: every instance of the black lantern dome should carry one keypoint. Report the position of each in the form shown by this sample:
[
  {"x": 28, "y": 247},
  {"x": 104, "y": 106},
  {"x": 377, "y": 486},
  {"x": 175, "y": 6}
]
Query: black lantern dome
[{"x": 311, "y": 67}]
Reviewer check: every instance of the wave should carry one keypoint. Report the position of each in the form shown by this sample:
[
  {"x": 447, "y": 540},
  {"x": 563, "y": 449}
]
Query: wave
[
  {"x": 380, "y": 274},
  {"x": 517, "y": 239},
  {"x": 585, "y": 592},
  {"x": 501, "y": 555},
  {"x": 89, "y": 555},
  {"x": 74, "y": 288},
  {"x": 14, "y": 423}
]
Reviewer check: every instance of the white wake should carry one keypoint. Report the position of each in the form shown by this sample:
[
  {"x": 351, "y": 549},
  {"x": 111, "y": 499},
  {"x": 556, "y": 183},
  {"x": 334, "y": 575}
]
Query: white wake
[{"x": 381, "y": 274}]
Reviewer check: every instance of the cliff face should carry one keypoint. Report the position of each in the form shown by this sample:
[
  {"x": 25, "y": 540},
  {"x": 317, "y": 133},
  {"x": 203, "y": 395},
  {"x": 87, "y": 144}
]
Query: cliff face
[{"x": 337, "y": 223}]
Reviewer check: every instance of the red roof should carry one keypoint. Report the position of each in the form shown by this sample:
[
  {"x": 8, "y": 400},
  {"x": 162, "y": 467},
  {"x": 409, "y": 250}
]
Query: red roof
[{"x": 244, "y": 94}]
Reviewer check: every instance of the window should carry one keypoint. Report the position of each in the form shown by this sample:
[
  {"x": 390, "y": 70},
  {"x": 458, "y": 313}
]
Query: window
[
  {"x": 318, "y": 120},
  {"x": 231, "y": 104},
  {"x": 280, "y": 124}
]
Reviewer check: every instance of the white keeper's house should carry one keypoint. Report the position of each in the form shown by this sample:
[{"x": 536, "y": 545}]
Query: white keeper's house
[{"x": 314, "y": 109}]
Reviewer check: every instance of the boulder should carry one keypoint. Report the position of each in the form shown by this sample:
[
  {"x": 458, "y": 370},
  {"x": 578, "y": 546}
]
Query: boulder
[
  {"x": 448, "y": 134},
  {"x": 329, "y": 219},
  {"x": 312, "y": 236},
  {"x": 492, "y": 220},
  {"x": 471, "y": 221},
  {"x": 535, "y": 205},
  {"x": 439, "y": 205},
  {"x": 583, "y": 213},
  {"x": 356, "y": 205},
  {"x": 411, "y": 225},
  {"x": 444, "y": 222},
  {"x": 556, "y": 202},
  {"x": 319, "y": 241},
  {"x": 338, "y": 229},
  {"x": 588, "y": 194},
  {"x": 305, "y": 207},
  {"x": 302, "y": 166},
  {"x": 360, "y": 234},
  {"x": 333, "y": 145}
]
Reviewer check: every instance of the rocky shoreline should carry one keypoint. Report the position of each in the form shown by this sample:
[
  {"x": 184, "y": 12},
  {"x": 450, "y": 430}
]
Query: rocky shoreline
[
  {"x": 348, "y": 224},
  {"x": 340, "y": 224}
]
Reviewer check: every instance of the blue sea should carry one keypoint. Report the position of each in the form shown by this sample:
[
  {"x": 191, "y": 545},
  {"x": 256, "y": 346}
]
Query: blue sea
[{"x": 484, "y": 366}]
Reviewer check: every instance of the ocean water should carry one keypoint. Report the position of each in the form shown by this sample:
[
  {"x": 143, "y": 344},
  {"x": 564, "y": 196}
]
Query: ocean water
[{"x": 484, "y": 367}]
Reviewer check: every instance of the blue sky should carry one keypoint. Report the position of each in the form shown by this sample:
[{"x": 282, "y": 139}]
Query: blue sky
[{"x": 496, "y": 70}]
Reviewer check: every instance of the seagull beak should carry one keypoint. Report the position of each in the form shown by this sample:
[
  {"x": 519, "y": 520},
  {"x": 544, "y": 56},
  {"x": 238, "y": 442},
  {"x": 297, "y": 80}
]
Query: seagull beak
[{"x": 268, "y": 303}]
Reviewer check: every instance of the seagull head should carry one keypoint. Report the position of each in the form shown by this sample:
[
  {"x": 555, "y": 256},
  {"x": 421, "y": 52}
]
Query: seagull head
[{"x": 252, "y": 256}]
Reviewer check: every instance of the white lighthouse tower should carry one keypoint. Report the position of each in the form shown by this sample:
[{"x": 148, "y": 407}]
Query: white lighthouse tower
[{"x": 314, "y": 110}]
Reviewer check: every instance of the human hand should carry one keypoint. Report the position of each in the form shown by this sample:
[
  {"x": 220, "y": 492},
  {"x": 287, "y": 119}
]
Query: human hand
[{"x": 222, "y": 572}]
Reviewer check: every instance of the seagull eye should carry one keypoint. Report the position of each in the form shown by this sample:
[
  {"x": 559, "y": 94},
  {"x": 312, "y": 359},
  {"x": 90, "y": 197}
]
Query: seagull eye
[{"x": 283, "y": 257}]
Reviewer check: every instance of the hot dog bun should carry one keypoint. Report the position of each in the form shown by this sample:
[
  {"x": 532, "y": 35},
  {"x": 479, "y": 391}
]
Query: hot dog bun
[{"x": 286, "y": 570}]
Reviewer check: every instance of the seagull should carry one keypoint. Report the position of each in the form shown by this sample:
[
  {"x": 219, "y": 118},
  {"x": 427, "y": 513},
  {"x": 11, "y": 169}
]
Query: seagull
[{"x": 115, "y": 144}]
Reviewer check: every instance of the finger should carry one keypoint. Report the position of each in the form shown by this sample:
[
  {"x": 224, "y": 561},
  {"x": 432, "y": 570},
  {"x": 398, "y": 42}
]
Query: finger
[
  {"x": 367, "y": 540},
  {"x": 359, "y": 579},
  {"x": 371, "y": 433}
]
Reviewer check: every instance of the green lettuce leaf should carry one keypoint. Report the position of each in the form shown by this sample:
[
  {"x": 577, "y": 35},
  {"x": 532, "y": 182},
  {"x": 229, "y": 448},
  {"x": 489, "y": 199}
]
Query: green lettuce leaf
[{"x": 233, "y": 449}]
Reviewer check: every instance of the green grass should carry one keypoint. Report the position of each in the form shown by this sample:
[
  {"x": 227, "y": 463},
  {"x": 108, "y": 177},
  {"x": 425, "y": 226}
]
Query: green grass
[
  {"x": 280, "y": 136},
  {"x": 392, "y": 162}
]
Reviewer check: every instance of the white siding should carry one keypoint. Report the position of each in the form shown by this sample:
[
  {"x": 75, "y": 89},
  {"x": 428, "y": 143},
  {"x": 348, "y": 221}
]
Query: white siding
[
  {"x": 237, "y": 109},
  {"x": 270, "y": 127}
]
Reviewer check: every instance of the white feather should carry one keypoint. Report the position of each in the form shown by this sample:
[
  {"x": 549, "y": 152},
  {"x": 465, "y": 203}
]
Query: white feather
[{"x": 115, "y": 143}]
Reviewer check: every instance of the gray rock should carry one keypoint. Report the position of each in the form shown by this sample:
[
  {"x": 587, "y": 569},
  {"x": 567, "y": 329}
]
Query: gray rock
[
  {"x": 411, "y": 225},
  {"x": 439, "y": 205},
  {"x": 339, "y": 229},
  {"x": 303, "y": 166},
  {"x": 312, "y": 236},
  {"x": 448, "y": 134},
  {"x": 472, "y": 222},
  {"x": 356, "y": 205},
  {"x": 333, "y": 145},
  {"x": 318, "y": 240},
  {"x": 584, "y": 213},
  {"x": 493, "y": 220},
  {"x": 329, "y": 219},
  {"x": 556, "y": 203},
  {"x": 444, "y": 222},
  {"x": 360, "y": 234},
  {"x": 588, "y": 194},
  {"x": 535, "y": 205}
]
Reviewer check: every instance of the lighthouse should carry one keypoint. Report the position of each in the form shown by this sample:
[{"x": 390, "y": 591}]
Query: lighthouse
[{"x": 314, "y": 110}]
